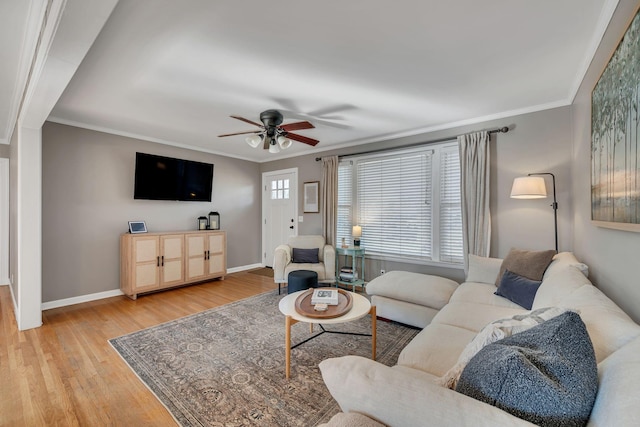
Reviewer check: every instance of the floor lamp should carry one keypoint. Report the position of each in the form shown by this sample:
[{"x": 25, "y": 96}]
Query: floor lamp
[{"x": 533, "y": 186}]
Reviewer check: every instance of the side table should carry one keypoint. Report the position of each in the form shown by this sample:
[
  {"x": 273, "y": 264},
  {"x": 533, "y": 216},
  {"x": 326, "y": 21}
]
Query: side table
[
  {"x": 355, "y": 252},
  {"x": 361, "y": 307}
]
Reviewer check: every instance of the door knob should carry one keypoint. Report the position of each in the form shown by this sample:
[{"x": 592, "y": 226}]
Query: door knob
[{"x": 291, "y": 227}]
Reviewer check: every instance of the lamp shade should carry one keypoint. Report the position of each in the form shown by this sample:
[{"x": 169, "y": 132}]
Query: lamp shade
[
  {"x": 356, "y": 232},
  {"x": 273, "y": 147},
  {"x": 529, "y": 187},
  {"x": 284, "y": 142},
  {"x": 253, "y": 140}
]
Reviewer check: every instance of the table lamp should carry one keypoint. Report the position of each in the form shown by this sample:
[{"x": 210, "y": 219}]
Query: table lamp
[{"x": 356, "y": 233}]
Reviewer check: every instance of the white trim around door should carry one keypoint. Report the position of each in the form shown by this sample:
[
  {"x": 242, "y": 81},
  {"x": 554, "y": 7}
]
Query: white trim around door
[{"x": 267, "y": 222}]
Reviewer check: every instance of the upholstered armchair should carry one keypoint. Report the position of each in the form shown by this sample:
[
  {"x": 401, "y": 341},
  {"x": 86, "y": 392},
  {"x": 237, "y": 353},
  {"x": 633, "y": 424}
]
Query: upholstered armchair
[{"x": 285, "y": 262}]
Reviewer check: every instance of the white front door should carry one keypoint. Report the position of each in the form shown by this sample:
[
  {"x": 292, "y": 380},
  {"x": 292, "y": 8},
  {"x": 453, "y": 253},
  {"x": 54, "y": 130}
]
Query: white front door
[{"x": 279, "y": 209}]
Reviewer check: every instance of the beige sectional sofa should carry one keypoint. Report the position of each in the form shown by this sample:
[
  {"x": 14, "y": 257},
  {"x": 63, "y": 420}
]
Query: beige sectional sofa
[{"x": 408, "y": 394}]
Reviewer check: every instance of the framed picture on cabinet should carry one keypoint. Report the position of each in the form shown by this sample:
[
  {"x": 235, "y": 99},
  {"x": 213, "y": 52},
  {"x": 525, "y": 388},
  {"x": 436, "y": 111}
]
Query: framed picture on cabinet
[{"x": 136, "y": 227}]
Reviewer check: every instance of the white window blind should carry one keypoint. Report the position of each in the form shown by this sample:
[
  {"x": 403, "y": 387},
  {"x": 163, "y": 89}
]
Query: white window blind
[
  {"x": 393, "y": 200},
  {"x": 450, "y": 245},
  {"x": 408, "y": 203},
  {"x": 345, "y": 206}
]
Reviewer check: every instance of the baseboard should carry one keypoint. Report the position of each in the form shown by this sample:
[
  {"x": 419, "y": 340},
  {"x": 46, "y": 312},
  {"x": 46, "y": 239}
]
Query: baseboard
[
  {"x": 244, "y": 268},
  {"x": 117, "y": 292},
  {"x": 83, "y": 298}
]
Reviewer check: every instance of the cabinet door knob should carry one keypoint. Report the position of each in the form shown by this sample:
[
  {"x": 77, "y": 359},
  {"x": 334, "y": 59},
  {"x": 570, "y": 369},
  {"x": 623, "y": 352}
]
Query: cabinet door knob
[
  {"x": 162, "y": 262},
  {"x": 157, "y": 261}
]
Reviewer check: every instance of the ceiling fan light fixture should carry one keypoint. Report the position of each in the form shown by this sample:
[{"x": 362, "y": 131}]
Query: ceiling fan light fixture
[
  {"x": 273, "y": 147},
  {"x": 284, "y": 142},
  {"x": 254, "y": 140}
]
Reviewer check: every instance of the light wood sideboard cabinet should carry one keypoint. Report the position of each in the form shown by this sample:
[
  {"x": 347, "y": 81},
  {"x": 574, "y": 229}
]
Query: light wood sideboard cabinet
[
  {"x": 206, "y": 257},
  {"x": 155, "y": 261}
]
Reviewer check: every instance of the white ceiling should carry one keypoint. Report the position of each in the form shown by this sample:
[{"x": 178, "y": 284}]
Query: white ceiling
[
  {"x": 14, "y": 28},
  {"x": 360, "y": 70}
]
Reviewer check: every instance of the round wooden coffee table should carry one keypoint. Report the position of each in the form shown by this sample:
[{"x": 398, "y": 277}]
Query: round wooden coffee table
[{"x": 361, "y": 307}]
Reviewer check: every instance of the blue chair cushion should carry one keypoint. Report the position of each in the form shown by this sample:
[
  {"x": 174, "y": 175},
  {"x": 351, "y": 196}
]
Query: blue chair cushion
[{"x": 301, "y": 256}]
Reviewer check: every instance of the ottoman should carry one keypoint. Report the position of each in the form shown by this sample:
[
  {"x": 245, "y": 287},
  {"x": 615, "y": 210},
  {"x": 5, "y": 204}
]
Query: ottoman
[
  {"x": 410, "y": 298},
  {"x": 301, "y": 280}
]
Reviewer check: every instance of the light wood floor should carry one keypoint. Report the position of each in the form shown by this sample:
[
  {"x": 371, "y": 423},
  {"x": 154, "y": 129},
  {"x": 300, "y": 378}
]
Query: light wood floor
[{"x": 65, "y": 373}]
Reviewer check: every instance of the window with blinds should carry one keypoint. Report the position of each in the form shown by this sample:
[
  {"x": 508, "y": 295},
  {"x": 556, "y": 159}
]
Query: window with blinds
[
  {"x": 407, "y": 202},
  {"x": 345, "y": 211}
]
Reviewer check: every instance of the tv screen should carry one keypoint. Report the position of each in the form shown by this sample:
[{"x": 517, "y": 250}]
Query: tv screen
[{"x": 166, "y": 178}]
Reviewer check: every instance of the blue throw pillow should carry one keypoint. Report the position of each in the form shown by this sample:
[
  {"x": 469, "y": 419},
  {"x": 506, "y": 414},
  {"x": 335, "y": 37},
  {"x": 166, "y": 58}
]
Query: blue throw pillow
[
  {"x": 301, "y": 256},
  {"x": 518, "y": 289},
  {"x": 546, "y": 375}
]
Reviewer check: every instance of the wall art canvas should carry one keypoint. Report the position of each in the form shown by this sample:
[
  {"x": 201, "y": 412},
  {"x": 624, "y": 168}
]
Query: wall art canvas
[{"x": 615, "y": 137}]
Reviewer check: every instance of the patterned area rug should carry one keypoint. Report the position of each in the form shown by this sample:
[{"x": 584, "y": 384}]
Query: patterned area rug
[{"x": 225, "y": 366}]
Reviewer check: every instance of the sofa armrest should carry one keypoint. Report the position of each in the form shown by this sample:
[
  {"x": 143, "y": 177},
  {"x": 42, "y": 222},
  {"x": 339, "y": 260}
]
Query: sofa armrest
[
  {"x": 395, "y": 397},
  {"x": 281, "y": 258},
  {"x": 329, "y": 259}
]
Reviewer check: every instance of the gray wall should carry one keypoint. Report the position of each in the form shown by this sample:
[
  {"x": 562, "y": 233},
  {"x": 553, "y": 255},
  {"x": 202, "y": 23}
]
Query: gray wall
[
  {"x": 4, "y": 151},
  {"x": 612, "y": 255},
  {"x": 88, "y": 199},
  {"x": 536, "y": 142}
]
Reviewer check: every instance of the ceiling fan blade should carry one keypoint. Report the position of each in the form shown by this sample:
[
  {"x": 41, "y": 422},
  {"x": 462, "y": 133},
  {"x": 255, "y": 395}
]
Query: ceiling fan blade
[
  {"x": 247, "y": 121},
  {"x": 297, "y": 126},
  {"x": 303, "y": 139},
  {"x": 239, "y": 133}
]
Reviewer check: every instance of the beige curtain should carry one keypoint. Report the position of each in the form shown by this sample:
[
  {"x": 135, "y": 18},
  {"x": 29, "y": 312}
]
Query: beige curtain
[
  {"x": 329, "y": 198},
  {"x": 475, "y": 193}
]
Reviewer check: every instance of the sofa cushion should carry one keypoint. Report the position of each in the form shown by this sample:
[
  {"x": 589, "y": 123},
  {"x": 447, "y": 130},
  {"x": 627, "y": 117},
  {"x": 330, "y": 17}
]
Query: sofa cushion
[
  {"x": 422, "y": 289},
  {"x": 518, "y": 289},
  {"x": 480, "y": 293},
  {"x": 351, "y": 419},
  {"x": 563, "y": 260},
  {"x": 493, "y": 332},
  {"x": 546, "y": 375},
  {"x": 415, "y": 315},
  {"x": 301, "y": 256},
  {"x": 474, "y": 317},
  {"x": 435, "y": 349},
  {"x": 617, "y": 400},
  {"x": 483, "y": 269},
  {"x": 530, "y": 264},
  {"x": 609, "y": 327},
  {"x": 558, "y": 286},
  {"x": 398, "y": 397}
]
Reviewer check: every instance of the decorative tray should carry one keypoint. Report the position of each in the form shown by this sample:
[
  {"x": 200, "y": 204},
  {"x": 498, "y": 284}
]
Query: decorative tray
[{"x": 303, "y": 305}]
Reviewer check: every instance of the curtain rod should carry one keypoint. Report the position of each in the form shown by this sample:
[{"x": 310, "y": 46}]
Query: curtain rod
[{"x": 503, "y": 129}]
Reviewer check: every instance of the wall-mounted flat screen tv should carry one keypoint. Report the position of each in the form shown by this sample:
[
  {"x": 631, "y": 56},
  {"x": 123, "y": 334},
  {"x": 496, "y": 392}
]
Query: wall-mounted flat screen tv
[{"x": 166, "y": 178}]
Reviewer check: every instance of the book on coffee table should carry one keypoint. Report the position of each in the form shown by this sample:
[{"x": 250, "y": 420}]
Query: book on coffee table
[{"x": 325, "y": 296}]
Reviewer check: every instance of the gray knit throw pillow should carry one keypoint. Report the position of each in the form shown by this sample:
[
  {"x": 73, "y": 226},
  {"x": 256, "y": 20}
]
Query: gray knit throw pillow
[{"x": 546, "y": 375}]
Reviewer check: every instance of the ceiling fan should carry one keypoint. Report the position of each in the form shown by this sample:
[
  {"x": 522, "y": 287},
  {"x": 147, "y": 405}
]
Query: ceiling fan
[{"x": 273, "y": 134}]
